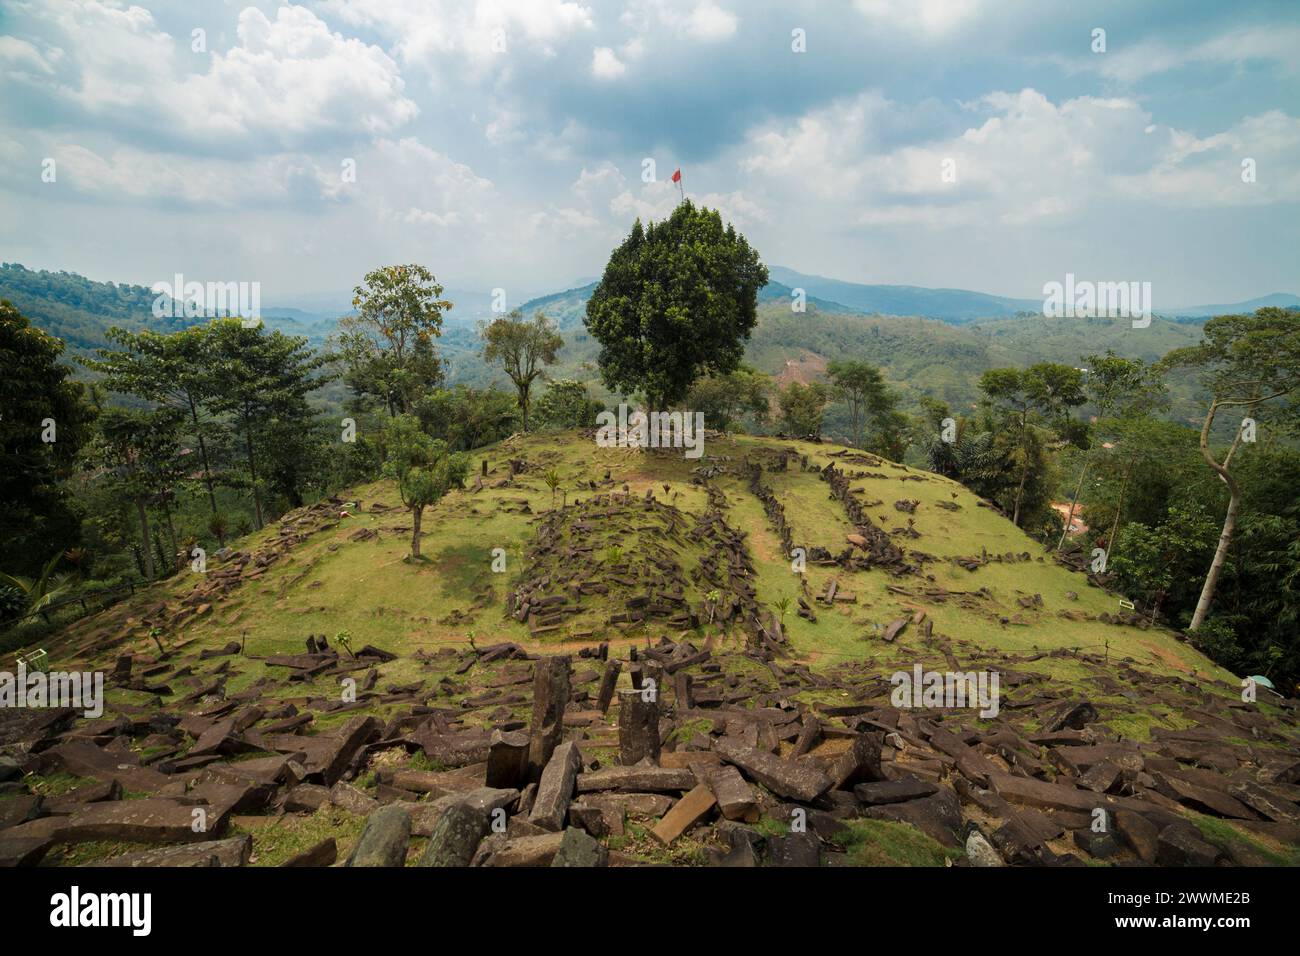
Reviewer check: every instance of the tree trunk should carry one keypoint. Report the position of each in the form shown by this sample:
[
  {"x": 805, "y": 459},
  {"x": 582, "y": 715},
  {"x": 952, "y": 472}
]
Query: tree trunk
[
  {"x": 252, "y": 472},
  {"x": 145, "y": 544},
  {"x": 171, "y": 532},
  {"x": 523, "y": 405},
  {"x": 1119, "y": 508},
  {"x": 417, "y": 515},
  {"x": 203, "y": 453},
  {"x": 1229, "y": 522},
  {"x": 1069, "y": 519}
]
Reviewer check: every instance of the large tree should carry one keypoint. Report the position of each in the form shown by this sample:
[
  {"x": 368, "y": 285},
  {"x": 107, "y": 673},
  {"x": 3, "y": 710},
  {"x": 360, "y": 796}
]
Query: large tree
[
  {"x": 175, "y": 370},
  {"x": 726, "y": 399},
  {"x": 678, "y": 299},
  {"x": 1249, "y": 361},
  {"x": 388, "y": 345},
  {"x": 43, "y": 423},
  {"x": 1049, "y": 389},
  {"x": 522, "y": 348},
  {"x": 262, "y": 380}
]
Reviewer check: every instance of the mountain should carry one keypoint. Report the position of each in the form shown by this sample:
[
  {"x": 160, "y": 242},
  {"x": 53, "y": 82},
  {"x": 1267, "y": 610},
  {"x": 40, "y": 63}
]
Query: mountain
[
  {"x": 1282, "y": 300},
  {"x": 638, "y": 565},
  {"x": 948, "y": 305}
]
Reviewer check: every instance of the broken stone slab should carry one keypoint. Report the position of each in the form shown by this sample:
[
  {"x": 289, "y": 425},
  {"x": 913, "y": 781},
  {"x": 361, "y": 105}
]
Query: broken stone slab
[
  {"x": 687, "y": 812},
  {"x": 524, "y": 851},
  {"x": 1049, "y": 796},
  {"x": 1181, "y": 845},
  {"x": 147, "y": 820},
  {"x": 579, "y": 849},
  {"x": 384, "y": 839},
  {"x": 234, "y": 851},
  {"x": 608, "y": 682},
  {"x": 638, "y": 727},
  {"x": 507, "y": 761},
  {"x": 980, "y": 852},
  {"x": 736, "y": 798},
  {"x": 1265, "y": 802},
  {"x": 883, "y": 792},
  {"x": 639, "y": 778},
  {"x": 1203, "y": 798},
  {"x": 794, "y": 850},
  {"x": 1137, "y": 833},
  {"x": 791, "y": 779},
  {"x": 456, "y": 836},
  {"x": 555, "y": 789},
  {"x": 938, "y": 815},
  {"x": 860, "y": 763},
  {"x": 550, "y": 697},
  {"x": 1072, "y": 716},
  {"x": 323, "y": 853},
  {"x": 354, "y": 801}
]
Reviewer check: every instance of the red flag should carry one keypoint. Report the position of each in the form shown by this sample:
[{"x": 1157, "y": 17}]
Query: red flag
[{"x": 677, "y": 176}]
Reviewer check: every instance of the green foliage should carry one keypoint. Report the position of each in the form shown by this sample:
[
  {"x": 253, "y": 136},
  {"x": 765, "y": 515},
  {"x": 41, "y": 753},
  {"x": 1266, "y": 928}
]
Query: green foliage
[
  {"x": 677, "y": 299},
  {"x": 423, "y": 468},
  {"x": 522, "y": 349},
  {"x": 803, "y": 407},
  {"x": 388, "y": 345},
  {"x": 727, "y": 399},
  {"x": 467, "y": 418},
  {"x": 1164, "y": 562},
  {"x": 566, "y": 404},
  {"x": 38, "y": 401}
]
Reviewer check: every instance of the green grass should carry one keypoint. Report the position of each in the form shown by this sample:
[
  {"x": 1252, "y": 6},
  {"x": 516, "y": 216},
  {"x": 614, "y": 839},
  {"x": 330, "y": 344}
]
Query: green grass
[{"x": 888, "y": 843}]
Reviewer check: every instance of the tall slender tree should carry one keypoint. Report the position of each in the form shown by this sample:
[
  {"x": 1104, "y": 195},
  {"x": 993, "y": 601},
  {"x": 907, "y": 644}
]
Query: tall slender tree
[
  {"x": 1248, "y": 361},
  {"x": 522, "y": 349}
]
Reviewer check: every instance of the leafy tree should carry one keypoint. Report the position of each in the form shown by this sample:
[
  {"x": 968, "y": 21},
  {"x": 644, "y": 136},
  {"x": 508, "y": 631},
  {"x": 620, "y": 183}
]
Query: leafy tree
[
  {"x": 567, "y": 404},
  {"x": 388, "y": 345},
  {"x": 423, "y": 468},
  {"x": 802, "y": 408},
  {"x": 37, "y": 401},
  {"x": 1249, "y": 361},
  {"x": 467, "y": 418},
  {"x": 1155, "y": 562},
  {"x": 173, "y": 369},
  {"x": 1048, "y": 388},
  {"x": 522, "y": 349},
  {"x": 262, "y": 380},
  {"x": 727, "y": 398},
  {"x": 862, "y": 386},
  {"x": 1114, "y": 385},
  {"x": 678, "y": 299},
  {"x": 140, "y": 453}
]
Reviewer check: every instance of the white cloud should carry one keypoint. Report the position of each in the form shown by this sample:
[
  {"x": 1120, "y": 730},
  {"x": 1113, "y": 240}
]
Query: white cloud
[
  {"x": 710, "y": 23},
  {"x": 605, "y": 65},
  {"x": 285, "y": 81}
]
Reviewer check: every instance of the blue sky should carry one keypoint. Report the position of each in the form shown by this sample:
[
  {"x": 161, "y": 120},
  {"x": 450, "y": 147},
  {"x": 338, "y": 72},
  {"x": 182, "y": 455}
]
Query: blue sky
[{"x": 502, "y": 143}]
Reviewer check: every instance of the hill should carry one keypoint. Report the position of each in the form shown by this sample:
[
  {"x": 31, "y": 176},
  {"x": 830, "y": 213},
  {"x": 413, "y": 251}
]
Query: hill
[
  {"x": 949, "y": 305},
  {"x": 438, "y": 679}
]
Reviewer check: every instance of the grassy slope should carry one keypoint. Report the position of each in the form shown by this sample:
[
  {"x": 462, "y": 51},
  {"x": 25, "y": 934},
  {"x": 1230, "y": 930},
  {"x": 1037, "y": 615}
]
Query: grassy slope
[{"x": 329, "y": 583}]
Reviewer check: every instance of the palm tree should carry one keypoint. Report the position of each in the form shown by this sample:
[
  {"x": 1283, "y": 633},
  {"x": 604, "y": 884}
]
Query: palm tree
[{"x": 37, "y": 594}]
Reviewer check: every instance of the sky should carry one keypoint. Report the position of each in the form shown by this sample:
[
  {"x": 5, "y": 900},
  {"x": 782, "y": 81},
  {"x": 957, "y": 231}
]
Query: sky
[{"x": 993, "y": 145}]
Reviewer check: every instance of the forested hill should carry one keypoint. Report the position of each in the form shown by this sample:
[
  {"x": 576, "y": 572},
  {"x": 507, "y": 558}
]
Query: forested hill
[{"x": 80, "y": 311}]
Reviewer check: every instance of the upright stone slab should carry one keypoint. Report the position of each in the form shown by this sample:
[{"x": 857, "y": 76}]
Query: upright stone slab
[
  {"x": 608, "y": 681},
  {"x": 383, "y": 841},
  {"x": 555, "y": 789},
  {"x": 638, "y": 727},
  {"x": 507, "y": 764},
  {"x": 550, "y": 697},
  {"x": 581, "y": 850}
]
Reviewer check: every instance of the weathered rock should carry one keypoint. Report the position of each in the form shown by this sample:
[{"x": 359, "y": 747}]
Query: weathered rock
[
  {"x": 786, "y": 778},
  {"x": 1181, "y": 845},
  {"x": 860, "y": 763},
  {"x": 1137, "y": 833},
  {"x": 323, "y": 853},
  {"x": 1072, "y": 716},
  {"x": 687, "y": 812},
  {"x": 384, "y": 839},
  {"x": 980, "y": 852},
  {"x": 456, "y": 836},
  {"x": 608, "y": 682},
  {"x": 579, "y": 849},
  {"x": 349, "y": 798},
  {"x": 794, "y": 850},
  {"x": 555, "y": 789},
  {"x": 507, "y": 763},
  {"x": 639, "y": 778},
  {"x": 550, "y": 697},
  {"x": 736, "y": 798},
  {"x": 638, "y": 727},
  {"x": 234, "y": 851},
  {"x": 938, "y": 815},
  {"x": 1100, "y": 845},
  {"x": 905, "y": 788}
]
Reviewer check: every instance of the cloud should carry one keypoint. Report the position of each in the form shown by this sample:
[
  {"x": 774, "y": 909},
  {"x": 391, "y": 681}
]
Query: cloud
[
  {"x": 286, "y": 82},
  {"x": 605, "y": 65},
  {"x": 1133, "y": 62}
]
